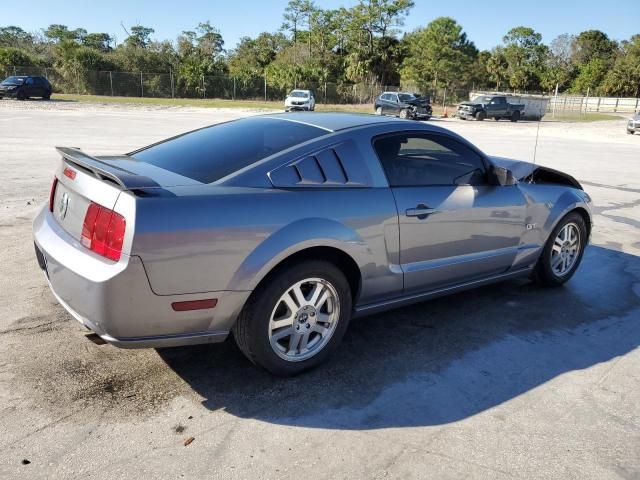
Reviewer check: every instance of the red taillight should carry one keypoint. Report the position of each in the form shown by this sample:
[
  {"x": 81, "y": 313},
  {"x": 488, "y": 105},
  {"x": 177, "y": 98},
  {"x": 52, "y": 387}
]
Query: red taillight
[
  {"x": 52, "y": 193},
  {"x": 103, "y": 231}
]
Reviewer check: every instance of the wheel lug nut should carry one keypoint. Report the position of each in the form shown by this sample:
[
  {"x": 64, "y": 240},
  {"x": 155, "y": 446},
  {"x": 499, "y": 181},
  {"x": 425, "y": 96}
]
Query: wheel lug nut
[
  {"x": 308, "y": 326},
  {"x": 313, "y": 314}
]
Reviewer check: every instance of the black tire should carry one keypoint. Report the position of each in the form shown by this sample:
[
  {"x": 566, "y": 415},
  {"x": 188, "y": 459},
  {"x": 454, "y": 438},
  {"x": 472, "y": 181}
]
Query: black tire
[
  {"x": 46, "y": 96},
  {"x": 251, "y": 331},
  {"x": 515, "y": 116},
  {"x": 543, "y": 273},
  {"x": 496, "y": 118},
  {"x": 21, "y": 95},
  {"x": 630, "y": 132},
  {"x": 481, "y": 115}
]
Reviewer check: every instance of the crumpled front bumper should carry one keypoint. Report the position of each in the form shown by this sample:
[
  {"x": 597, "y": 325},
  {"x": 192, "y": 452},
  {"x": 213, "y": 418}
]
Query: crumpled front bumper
[{"x": 467, "y": 114}]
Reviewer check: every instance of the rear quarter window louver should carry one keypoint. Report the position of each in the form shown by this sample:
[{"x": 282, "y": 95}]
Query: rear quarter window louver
[{"x": 338, "y": 165}]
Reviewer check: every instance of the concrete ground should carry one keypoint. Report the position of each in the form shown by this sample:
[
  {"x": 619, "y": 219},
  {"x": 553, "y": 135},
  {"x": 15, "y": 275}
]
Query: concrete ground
[{"x": 508, "y": 381}]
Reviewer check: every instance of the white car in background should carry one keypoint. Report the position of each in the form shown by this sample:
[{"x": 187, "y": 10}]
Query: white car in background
[{"x": 300, "y": 100}]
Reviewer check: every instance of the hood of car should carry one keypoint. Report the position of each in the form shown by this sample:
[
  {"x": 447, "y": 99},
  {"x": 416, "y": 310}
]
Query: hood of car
[{"x": 471, "y": 104}]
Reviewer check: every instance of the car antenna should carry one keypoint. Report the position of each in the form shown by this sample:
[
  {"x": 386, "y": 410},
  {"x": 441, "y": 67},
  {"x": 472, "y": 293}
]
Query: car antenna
[{"x": 535, "y": 147}]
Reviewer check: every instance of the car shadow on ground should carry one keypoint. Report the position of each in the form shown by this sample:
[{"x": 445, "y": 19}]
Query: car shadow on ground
[{"x": 439, "y": 361}]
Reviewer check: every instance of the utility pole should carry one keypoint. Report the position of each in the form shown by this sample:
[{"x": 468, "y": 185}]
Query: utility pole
[{"x": 555, "y": 101}]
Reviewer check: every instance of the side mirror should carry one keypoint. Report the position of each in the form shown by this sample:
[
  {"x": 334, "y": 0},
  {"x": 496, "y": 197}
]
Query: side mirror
[{"x": 503, "y": 176}]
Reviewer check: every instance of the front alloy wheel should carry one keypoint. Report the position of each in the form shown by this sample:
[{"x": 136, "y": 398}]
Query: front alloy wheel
[{"x": 563, "y": 251}]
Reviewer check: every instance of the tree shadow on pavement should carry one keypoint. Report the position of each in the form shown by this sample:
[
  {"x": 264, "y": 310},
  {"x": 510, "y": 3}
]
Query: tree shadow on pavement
[{"x": 439, "y": 361}]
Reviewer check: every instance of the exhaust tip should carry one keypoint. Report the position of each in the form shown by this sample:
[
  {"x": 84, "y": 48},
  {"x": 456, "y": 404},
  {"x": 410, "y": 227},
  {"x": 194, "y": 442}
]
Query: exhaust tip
[{"x": 95, "y": 338}]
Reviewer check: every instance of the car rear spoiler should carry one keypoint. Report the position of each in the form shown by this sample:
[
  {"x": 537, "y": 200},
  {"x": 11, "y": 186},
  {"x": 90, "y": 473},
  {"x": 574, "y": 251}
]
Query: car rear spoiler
[{"x": 104, "y": 171}]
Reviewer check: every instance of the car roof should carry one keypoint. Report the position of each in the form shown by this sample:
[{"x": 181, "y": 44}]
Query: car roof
[{"x": 335, "y": 121}]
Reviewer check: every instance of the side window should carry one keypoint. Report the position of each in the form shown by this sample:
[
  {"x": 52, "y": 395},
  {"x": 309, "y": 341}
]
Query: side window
[
  {"x": 38, "y": 81},
  {"x": 424, "y": 160},
  {"x": 394, "y": 98},
  {"x": 29, "y": 81}
]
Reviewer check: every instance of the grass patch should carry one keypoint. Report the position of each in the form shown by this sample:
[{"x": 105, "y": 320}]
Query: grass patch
[
  {"x": 206, "y": 103},
  {"x": 578, "y": 117}
]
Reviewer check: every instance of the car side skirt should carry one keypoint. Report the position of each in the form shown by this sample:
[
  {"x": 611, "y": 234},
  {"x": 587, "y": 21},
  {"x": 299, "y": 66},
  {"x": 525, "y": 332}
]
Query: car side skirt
[{"x": 373, "y": 308}]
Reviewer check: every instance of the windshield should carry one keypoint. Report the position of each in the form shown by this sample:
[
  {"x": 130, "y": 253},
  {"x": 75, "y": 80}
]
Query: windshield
[
  {"x": 299, "y": 94},
  {"x": 208, "y": 154},
  {"x": 406, "y": 97},
  {"x": 13, "y": 81},
  {"x": 482, "y": 99}
]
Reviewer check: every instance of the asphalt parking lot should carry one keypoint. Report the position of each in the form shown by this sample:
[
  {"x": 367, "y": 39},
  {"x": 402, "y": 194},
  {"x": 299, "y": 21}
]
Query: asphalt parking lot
[{"x": 508, "y": 381}]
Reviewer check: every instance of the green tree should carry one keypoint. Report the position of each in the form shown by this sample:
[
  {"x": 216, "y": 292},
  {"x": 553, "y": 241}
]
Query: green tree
[
  {"x": 139, "y": 37},
  {"x": 498, "y": 68},
  {"x": 98, "y": 41},
  {"x": 624, "y": 78},
  {"x": 439, "y": 53},
  {"x": 57, "y": 33},
  {"x": 10, "y": 57},
  {"x": 590, "y": 44},
  {"x": 15, "y": 37},
  {"x": 368, "y": 26},
  {"x": 252, "y": 56},
  {"x": 525, "y": 55}
]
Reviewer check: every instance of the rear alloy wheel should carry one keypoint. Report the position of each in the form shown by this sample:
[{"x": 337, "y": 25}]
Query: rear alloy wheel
[
  {"x": 296, "y": 319},
  {"x": 481, "y": 115},
  {"x": 515, "y": 116},
  {"x": 378, "y": 110},
  {"x": 404, "y": 113},
  {"x": 563, "y": 251}
]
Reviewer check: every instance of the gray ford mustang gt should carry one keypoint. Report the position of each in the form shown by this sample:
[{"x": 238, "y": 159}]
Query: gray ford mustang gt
[{"x": 281, "y": 228}]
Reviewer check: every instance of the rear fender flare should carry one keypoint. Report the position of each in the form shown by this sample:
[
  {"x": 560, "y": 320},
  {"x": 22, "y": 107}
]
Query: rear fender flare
[{"x": 293, "y": 238}]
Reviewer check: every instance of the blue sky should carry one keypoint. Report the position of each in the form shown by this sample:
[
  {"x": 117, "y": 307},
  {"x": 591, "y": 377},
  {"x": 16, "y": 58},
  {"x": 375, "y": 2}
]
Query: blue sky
[{"x": 485, "y": 22}]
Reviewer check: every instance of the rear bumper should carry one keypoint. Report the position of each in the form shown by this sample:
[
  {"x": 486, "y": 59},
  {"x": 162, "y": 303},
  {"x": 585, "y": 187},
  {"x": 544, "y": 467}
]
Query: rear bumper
[{"x": 115, "y": 300}]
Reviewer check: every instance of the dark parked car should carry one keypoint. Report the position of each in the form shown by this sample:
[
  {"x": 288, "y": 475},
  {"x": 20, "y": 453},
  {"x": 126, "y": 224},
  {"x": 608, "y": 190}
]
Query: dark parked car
[
  {"x": 280, "y": 228},
  {"x": 403, "y": 105},
  {"x": 25, "y": 86},
  {"x": 490, "y": 106},
  {"x": 634, "y": 124}
]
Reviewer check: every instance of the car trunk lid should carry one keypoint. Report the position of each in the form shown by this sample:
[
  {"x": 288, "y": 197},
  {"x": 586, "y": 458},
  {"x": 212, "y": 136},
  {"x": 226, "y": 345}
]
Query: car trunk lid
[{"x": 82, "y": 179}]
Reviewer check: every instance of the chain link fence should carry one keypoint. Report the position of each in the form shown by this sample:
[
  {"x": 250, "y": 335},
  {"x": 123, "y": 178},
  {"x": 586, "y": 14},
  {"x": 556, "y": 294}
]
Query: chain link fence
[{"x": 170, "y": 85}]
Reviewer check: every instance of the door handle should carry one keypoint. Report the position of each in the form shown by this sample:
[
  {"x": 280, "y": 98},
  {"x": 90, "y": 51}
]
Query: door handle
[{"x": 421, "y": 211}]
